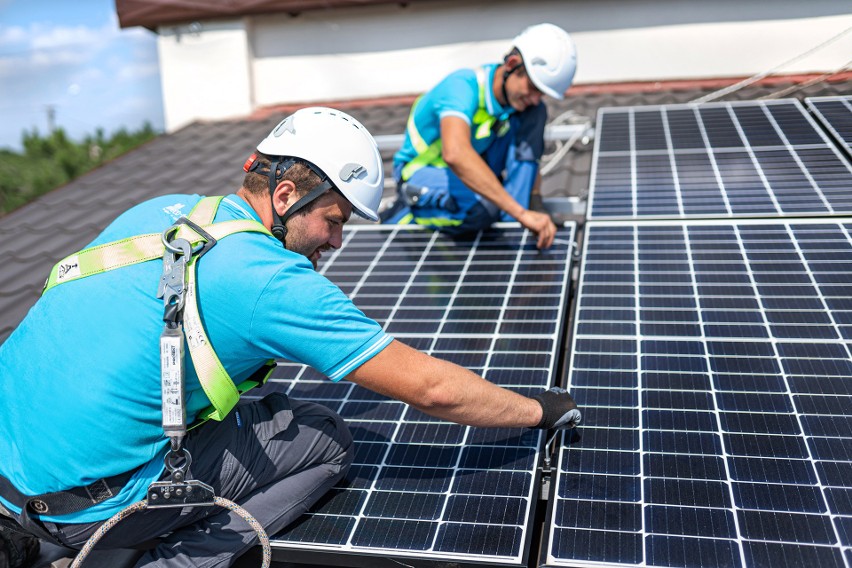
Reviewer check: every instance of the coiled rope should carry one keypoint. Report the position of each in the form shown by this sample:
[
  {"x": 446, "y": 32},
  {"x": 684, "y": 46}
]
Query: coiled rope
[{"x": 141, "y": 505}]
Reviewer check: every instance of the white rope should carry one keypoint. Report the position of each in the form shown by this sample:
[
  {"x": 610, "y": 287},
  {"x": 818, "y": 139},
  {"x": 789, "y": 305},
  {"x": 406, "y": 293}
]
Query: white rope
[
  {"x": 746, "y": 82},
  {"x": 141, "y": 505},
  {"x": 799, "y": 86}
]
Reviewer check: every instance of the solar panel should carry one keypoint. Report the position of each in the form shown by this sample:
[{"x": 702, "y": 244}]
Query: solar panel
[
  {"x": 835, "y": 113},
  {"x": 716, "y": 160},
  {"x": 712, "y": 362},
  {"x": 421, "y": 487}
]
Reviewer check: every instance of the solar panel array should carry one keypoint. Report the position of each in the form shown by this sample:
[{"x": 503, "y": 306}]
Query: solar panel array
[
  {"x": 712, "y": 361},
  {"x": 421, "y": 487},
  {"x": 766, "y": 158},
  {"x": 835, "y": 113}
]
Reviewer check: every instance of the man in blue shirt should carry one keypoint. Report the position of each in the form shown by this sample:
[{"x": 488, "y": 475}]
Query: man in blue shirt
[
  {"x": 472, "y": 144},
  {"x": 81, "y": 411}
]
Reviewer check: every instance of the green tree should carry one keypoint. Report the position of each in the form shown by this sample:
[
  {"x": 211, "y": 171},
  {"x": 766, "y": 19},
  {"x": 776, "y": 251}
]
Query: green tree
[{"x": 48, "y": 162}]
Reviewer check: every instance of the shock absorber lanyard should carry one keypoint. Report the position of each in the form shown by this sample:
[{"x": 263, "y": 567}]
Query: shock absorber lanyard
[{"x": 177, "y": 260}]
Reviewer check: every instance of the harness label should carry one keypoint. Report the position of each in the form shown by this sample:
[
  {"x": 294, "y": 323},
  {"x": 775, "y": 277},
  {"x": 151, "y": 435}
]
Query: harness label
[{"x": 68, "y": 268}]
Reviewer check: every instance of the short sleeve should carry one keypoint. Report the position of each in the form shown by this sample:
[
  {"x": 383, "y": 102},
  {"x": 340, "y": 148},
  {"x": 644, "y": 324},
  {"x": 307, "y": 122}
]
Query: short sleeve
[{"x": 303, "y": 317}]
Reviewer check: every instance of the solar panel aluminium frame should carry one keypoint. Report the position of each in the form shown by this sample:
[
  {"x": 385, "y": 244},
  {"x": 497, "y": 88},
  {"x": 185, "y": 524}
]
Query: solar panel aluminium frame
[
  {"x": 828, "y": 262},
  {"x": 358, "y": 555},
  {"x": 844, "y": 139},
  {"x": 835, "y": 203}
]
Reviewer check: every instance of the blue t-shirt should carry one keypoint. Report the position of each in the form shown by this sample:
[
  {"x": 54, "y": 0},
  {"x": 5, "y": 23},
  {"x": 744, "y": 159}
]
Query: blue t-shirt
[
  {"x": 80, "y": 376},
  {"x": 456, "y": 95}
]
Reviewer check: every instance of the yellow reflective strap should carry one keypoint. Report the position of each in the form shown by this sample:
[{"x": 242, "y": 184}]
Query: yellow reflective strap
[
  {"x": 406, "y": 220},
  {"x": 437, "y": 221},
  {"x": 413, "y": 134},
  {"x": 431, "y": 157},
  {"x": 105, "y": 257},
  {"x": 245, "y": 386},
  {"x": 205, "y": 210},
  {"x": 214, "y": 379}
]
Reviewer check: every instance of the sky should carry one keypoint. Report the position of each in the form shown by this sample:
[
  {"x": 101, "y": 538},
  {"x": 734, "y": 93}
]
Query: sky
[{"x": 72, "y": 57}]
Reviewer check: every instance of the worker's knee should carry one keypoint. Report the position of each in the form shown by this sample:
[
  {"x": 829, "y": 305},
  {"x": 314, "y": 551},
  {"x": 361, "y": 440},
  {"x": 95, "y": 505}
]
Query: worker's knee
[{"x": 333, "y": 436}]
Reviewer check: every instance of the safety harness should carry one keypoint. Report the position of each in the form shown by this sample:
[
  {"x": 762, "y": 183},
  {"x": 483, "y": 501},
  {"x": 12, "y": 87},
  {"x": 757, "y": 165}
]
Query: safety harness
[
  {"x": 180, "y": 247},
  {"x": 430, "y": 154}
]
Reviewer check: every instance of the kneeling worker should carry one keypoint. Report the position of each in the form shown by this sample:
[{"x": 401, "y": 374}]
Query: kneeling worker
[
  {"x": 81, "y": 406},
  {"x": 472, "y": 144}
]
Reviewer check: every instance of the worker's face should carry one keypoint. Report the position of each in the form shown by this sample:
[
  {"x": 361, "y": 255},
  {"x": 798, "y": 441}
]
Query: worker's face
[
  {"x": 521, "y": 91},
  {"x": 321, "y": 228}
]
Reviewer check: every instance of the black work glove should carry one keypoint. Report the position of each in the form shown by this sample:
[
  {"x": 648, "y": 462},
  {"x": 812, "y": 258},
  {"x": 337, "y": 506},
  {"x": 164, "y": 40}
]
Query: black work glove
[{"x": 558, "y": 409}]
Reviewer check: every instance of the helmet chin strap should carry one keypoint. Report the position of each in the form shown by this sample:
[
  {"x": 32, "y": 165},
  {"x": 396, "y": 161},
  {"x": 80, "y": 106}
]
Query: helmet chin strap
[
  {"x": 506, "y": 73},
  {"x": 279, "y": 222}
]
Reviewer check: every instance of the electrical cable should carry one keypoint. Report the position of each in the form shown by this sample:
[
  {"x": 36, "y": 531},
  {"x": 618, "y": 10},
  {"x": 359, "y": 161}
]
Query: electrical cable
[
  {"x": 141, "y": 505},
  {"x": 754, "y": 78},
  {"x": 549, "y": 161}
]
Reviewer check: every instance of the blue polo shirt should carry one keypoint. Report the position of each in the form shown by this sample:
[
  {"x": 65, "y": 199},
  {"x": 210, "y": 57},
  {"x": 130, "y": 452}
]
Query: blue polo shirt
[
  {"x": 80, "y": 376},
  {"x": 456, "y": 95}
]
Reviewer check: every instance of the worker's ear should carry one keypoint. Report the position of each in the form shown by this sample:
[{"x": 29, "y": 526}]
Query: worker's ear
[
  {"x": 513, "y": 60},
  {"x": 284, "y": 196}
]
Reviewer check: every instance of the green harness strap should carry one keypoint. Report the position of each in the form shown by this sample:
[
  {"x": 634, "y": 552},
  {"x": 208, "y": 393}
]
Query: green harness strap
[
  {"x": 214, "y": 379},
  {"x": 430, "y": 154}
]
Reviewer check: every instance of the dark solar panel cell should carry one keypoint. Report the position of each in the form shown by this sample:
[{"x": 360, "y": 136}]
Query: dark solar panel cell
[
  {"x": 678, "y": 420},
  {"x": 678, "y": 551},
  {"x": 831, "y": 448},
  {"x": 834, "y": 473},
  {"x": 839, "y": 500},
  {"x": 601, "y": 515},
  {"x": 697, "y": 443},
  {"x": 679, "y": 400},
  {"x": 412, "y": 479},
  {"x": 614, "y": 417},
  {"x": 484, "y": 482},
  {"x": 486, "y": 510},
  {"x": 788, "y": 527},
  {"x": 779, "y": 554},
  {"x": 752, "y": 382},
  {"x": 609, "y": 439},
  {"x": 594, "y": 461},
  {"x": 371, "y": 431},
  {"x": 795, "y": 498},
  {"x": 444, "y": 434},
  {"x": 754, "y": 402},
  {"x": 600, "y": 487},
  {"x": 759, "y": 423},
  {"x": 520, "y": 437},
  {"x": 835, "y": 426},
  {"x": 683, "y": 466},
  {"x": 605, "y": 397},
  {"x": 779, "y": 446},
  {"x": 408, "y": 505},
  {"x": 479, "y": 539},
  {"x": 686, "y": 492},
  {"x": 676, "y": 381},
  {"x": 695, "y": 522},
  {"x": 598, "y": 546},
  {"x": 320, "y": 529},
  {"x": 605, "y": 378},
  {"x": 475, "y": 457},
  {"x": 674, "y": 364},
  {"x": 394, "y": 533},
  {"x": 771, "y": 470}
]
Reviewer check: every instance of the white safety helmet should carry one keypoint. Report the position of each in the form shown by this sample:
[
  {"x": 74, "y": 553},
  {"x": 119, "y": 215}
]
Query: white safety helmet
[
  {"x": 340, "y": 147},
  {"x": 550, "y": 58}
]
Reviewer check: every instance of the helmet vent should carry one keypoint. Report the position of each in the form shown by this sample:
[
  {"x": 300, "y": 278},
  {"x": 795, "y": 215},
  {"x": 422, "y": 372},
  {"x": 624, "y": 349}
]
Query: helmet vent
[
  {"x": 285, "y": 125},
  {"x": 351, "y": 170}
]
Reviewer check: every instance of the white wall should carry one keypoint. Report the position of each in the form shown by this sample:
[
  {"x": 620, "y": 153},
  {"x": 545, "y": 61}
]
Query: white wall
[
  {"x": 206, "y": 74},
  {"x": 388, "y": 50}
]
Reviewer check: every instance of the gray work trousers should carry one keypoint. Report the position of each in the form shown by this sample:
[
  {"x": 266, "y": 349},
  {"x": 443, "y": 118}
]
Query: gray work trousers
[{"x": 274, "y": 457}]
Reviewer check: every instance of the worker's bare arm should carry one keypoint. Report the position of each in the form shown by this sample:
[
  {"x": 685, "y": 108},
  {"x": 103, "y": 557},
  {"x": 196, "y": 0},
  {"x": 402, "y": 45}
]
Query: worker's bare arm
[
  {"x": 472, "y": 170},
  {"x": 444, "y": 389}
]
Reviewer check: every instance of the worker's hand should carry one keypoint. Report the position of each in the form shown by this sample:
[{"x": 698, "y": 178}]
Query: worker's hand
[
  {"x": 541, "y": 224},
  {"x": 558, "y": 409}
]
